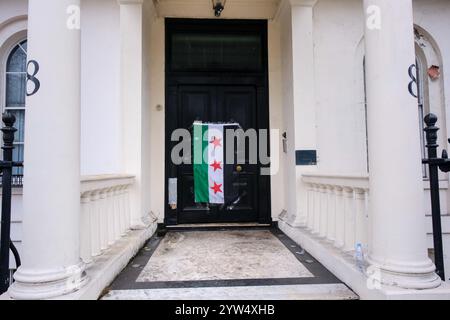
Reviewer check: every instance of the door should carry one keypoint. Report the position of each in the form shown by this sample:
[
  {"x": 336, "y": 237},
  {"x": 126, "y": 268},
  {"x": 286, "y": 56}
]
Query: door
[{"x": 211, "y": 96}]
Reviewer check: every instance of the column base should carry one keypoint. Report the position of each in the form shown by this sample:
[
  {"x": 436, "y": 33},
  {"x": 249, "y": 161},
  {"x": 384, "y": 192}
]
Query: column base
[
  {"x": 292, "y": 220},
  {"x": 419, "y": 276},
  {"x": 37, "y": 285},
  {"x": 143, "y": 223}
]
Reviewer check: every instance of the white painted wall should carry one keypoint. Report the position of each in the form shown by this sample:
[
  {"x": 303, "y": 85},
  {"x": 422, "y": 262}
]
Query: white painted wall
[
  {"x": 152, "y": 119},
  {"x": 101, "y": 151},
  {"x": 155, "y": 86},
  {"x": 276, "y": 106},
  {"x": 338, "y": 30},
  {"x": 287, "y": 111},
  {"x": 10, "y": 9}
]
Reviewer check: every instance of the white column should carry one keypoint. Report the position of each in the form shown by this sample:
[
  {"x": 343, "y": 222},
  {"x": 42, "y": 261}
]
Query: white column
[
  {"x": 299, "y": 103},
  {"x": 131, "y": 34},
  {"x": 398, "y": 242},
  {"x": 51, "y": 246},
  {"x": 304, "y": 93}
]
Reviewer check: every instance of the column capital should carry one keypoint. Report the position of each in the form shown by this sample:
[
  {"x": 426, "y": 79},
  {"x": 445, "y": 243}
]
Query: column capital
[
  {"x": 302, "y": 3},
  {"x": 125, "y": 2},
  {"x": 291, "y": 4}
]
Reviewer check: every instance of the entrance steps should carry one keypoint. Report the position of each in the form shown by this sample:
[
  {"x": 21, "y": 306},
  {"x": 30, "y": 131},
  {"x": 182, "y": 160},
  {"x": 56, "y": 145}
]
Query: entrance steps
[{"x": 288, "y": 292}]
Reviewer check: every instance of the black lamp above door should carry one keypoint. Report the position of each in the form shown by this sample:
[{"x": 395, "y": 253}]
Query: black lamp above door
[{"x": 218, "y": 6}]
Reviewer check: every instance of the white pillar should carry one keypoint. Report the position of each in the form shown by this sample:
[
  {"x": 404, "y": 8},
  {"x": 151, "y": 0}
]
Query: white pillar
[
  {"x": 398, "y": 236},
  {"x": 300, "y": 115},
  {"x": 51, "y": 250},
  {"x": 131, "y": 34},
  {"x": 304, "y": 95}
]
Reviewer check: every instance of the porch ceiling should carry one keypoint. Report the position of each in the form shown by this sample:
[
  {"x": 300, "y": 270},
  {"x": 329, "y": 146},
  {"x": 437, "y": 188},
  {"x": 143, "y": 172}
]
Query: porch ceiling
[{"x": 234, "y": 9}]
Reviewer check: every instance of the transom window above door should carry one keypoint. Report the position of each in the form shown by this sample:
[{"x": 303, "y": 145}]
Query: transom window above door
[
  {"x": 221, "y": 51},
  {"x": 223, "y": 47}
]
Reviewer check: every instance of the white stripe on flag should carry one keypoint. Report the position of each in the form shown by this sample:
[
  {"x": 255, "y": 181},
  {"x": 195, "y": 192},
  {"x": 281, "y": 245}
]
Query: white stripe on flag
[{"x": 215, "y": 164}]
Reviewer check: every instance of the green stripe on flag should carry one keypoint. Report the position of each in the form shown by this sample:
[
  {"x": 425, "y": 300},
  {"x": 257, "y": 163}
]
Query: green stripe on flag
[{"x": 201, "y": 183}]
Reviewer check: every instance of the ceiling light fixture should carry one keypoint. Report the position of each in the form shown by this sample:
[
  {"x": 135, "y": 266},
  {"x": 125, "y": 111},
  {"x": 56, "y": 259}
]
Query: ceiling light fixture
[{"x": 218, "y": 6}]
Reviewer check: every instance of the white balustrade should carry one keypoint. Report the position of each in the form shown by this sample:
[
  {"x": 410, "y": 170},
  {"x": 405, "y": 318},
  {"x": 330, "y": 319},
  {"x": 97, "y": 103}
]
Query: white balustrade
[
  {"x": 105, "y": 213},
  {"x": 331, "y": 215},
  {"x": 338, "y": 209},
  {"x": 323, "y": 211}
]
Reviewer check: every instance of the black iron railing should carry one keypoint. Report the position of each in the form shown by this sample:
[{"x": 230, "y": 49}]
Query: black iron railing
[
  {"x": 6, "y": 166},
  {"x": 435, "y": 164}
]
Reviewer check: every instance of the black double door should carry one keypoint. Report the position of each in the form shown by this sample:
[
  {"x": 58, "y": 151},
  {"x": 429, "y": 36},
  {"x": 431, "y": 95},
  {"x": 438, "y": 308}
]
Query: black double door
[{"x": 215, "y": 97}]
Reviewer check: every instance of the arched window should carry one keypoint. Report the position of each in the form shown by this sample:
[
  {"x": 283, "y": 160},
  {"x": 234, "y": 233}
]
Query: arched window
[
  {"x": 15, "y": 92},
  {"x": 430, "y": 86}
]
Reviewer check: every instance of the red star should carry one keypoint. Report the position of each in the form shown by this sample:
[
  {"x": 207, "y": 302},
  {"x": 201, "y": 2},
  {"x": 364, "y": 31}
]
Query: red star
[
  {"x": 217, "y": 188},
  {"x": 216, "y": 142},
  {"x": 216, "y": 166}
]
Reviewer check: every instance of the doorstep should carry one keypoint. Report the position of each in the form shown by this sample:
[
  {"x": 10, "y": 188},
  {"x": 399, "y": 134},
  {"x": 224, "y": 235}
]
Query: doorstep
[{"x": 223, "y": 264}]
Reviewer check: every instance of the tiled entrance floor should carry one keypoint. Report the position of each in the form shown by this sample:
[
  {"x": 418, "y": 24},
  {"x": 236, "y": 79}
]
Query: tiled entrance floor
[{"x": 226, "y": 264}]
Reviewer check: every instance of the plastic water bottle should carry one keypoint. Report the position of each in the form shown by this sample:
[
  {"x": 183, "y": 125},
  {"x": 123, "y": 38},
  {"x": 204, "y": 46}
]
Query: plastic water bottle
[{"x": 359, "y": 256}]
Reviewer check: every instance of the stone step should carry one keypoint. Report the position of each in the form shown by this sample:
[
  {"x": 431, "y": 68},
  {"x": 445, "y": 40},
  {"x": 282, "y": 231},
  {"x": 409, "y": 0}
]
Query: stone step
[{"x": 284, "y": 292}]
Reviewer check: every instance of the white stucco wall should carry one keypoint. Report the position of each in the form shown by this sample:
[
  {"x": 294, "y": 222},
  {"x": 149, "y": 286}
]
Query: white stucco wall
[
  {"x": 276, "y": 106},
  {"x": 285, "y": 66},
  {"x": 153, "y": 117},
  {"x": 338, "y": 30},
  {"x": 12, "y": 8},
  {"x": 101, "y": 130},
  {"x": 155, "y": 86}
]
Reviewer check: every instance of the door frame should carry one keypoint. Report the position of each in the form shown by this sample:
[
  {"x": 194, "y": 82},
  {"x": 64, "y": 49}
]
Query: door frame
[{"x": 259, "y": 79}]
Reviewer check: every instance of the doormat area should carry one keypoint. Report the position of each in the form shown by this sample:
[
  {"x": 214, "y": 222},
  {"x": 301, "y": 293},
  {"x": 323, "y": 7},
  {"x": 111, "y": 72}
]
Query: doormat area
[
  {"x": 222, "y": 258},
  {"x": 226, "y": 255}
]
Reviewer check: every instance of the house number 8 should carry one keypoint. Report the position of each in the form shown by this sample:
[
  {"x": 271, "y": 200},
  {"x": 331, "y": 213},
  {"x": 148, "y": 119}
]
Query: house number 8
[
  {"x": 32, "y": 77},
  {"x": 412, "y": 71}
]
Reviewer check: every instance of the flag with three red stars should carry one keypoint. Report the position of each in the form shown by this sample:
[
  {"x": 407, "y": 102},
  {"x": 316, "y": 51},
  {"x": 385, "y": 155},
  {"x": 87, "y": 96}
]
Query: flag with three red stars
[{"x": 209, "y": 166}]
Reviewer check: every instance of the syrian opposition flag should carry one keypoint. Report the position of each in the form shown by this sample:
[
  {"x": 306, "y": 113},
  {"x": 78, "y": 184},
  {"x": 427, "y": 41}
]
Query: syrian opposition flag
[{"x": 209, "y": 163}]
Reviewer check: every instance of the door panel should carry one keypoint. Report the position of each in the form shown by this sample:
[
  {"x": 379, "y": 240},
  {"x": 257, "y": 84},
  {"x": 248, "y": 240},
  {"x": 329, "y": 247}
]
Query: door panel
[
  {"x": 196, "y": 103},
  {"x": 238, "y": 104}
]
